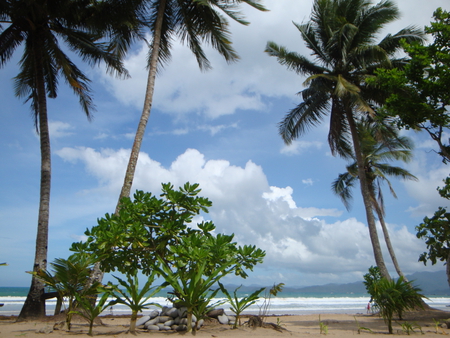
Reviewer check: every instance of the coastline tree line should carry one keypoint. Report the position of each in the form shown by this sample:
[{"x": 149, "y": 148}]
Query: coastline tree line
[{"x": 361, "y": 84}]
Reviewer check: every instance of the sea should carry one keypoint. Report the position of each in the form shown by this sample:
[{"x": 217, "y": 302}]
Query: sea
[{"x": 286, "y": 303}]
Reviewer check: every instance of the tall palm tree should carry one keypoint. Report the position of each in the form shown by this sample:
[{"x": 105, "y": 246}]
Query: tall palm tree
[
  {"x": 194, "y": 22},
  {"x": 380, "y": 144},
  {"x": 341, "y": 35},
  {"x": 41, "y": 25}
]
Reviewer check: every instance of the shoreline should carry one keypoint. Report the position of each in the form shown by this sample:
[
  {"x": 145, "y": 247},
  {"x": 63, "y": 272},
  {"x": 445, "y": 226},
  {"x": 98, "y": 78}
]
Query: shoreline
[{"x": 339, "y": 325}]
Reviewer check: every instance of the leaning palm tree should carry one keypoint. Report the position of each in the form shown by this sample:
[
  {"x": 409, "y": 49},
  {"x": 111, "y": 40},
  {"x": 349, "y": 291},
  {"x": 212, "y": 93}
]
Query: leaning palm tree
[
  {"x": 341, "y": 35},
  {"x": 380, "y": 144},
  {"x": 193, "y": 22},
  {"x": 41, "y": 25}
]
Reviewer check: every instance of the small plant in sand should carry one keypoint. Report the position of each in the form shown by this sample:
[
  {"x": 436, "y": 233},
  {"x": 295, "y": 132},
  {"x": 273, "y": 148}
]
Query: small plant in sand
[
  {"x": 239, "y": 305},
  {"x": 68, "y": 279},
  {"x": 133, "y": 297},
  {"x": 437, "y": 326},
  {"x": 88, "y": 310},
  {"x": 408, "y": 327},
  {"x": 265, "y": 307},
  {"x": 361, "y": 328},
  {"x": 323, "y": 327}
]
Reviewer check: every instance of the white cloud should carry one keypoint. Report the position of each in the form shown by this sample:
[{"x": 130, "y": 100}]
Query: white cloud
[
  {"x": 299, "y": 146},
  {"x": 295, "y": 239},
  {"x": 308, "y": 181},
  {"x": 431, "y": 172}
]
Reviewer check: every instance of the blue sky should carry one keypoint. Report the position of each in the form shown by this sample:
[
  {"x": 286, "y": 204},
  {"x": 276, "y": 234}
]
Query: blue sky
[{"x": 219, "y": 129}]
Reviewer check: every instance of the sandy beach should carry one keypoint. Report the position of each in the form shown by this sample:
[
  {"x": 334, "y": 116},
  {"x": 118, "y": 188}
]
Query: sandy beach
[{"x": 338, "y": 325}]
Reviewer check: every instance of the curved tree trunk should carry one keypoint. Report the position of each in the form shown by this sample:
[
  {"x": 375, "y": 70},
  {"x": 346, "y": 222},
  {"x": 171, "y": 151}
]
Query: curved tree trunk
[
  {"x": 97, "y": 274},
  {"x": 34, "y": 305},
  {"x": 365, "y": 192},
  {"x": 131, "y": 168},
  {"x": 387, "y": 239}
]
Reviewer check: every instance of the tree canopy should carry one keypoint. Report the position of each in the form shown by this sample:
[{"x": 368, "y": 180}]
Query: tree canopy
[{"x": 418, "y": 94}]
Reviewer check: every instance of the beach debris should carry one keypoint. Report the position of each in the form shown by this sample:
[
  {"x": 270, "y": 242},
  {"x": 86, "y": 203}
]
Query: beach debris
[{"x": 46, "y": 329}]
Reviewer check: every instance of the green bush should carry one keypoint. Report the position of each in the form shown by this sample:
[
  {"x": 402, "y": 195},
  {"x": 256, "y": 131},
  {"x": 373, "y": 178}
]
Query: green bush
[{"x": 394, "y": 297}]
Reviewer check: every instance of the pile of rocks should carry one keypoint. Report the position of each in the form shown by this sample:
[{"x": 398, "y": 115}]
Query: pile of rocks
[{"x": 171, "y": 318}]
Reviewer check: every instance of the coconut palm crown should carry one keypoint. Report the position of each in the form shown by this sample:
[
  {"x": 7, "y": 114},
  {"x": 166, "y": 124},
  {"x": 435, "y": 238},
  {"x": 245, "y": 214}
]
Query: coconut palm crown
[{"x": 342, "y": 37}]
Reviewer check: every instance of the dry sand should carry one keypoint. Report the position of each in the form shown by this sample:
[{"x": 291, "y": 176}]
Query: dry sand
[{"x": 339, "y": 326}]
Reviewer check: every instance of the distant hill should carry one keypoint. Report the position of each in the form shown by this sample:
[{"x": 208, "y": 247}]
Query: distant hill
[{"x": 431, "y": 283}]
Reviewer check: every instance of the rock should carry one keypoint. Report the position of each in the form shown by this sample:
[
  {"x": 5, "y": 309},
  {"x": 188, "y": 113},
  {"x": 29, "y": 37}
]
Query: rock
[
  {"x": 183, "y": 321},
  {"x": 231, "y": 320},
  {"x": 200, "y": 324},
  {"x": 164, "y": 310},
  {"x": 165, "y": 328},
  {"x": 153, "y": 321},
  {"x": 177, "y": 320},
  {"x": 169, "y": 322},
  {"x": 444, "y": 325},
  {"x": 152, "y": 327},
  {"x": 215, "y": 313},
  {"x": 172, "y": 312},
  {"x": 163, "y": 319},
  {"x": 46, "y": 329},
  {"x": 153, "y": 314},
  {"x": 223, "y": 319},
  {"x": 142, "y": 320},
  {"x": 181, "y": 328}
]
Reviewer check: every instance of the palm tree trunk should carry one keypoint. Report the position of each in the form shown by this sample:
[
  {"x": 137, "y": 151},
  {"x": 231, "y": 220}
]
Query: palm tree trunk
[
  {"x": 367, "y": 198},
  {"x": 34, "y": 306},
  {"x": 387, "y": 239},
  {"x": 97, "y": 274},
  {"x": 131, "y": 168}
]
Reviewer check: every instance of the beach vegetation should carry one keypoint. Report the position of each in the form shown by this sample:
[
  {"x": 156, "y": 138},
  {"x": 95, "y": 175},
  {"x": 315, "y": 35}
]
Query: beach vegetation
[
  {"x": 323, "y": 327},
  {"x": 361, "y": 328},
  {"x": 152, "y": 235},
  {"x": 199, "y": 260},
  {"x": 342, "y": 37},
  {"x": 418, "y": 95},
  {"x": 371, "y": 278},
  {"x": 395, "y": 297},
  {"x": 69, "y": 278},
  {"x": 238, "y": 305},
  {"x": 408, "y": 327},
  {"x": 268, "y": 294},
  {"x": 435, "y": 231},
  {"x": 91, "y": 310},
  {"x": 134, "y": 297}
]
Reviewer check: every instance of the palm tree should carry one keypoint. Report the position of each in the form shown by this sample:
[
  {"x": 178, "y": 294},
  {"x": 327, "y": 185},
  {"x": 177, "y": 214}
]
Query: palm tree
[
  {"x": 41, "y": 25},
  {"x": 380, "y": 143},
  {"x": 341, "y": 35},
  {"x": 194, "y": 22}
]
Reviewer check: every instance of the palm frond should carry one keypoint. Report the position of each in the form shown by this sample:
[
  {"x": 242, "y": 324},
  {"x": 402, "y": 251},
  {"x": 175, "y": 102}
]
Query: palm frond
[
  {"x": 306, "y": 115},
  {"x": 342, "y": 187}
]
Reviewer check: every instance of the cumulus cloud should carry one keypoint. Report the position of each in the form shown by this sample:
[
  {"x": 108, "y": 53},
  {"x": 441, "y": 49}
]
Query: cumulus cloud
[{"x": 296, "y": 239}]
